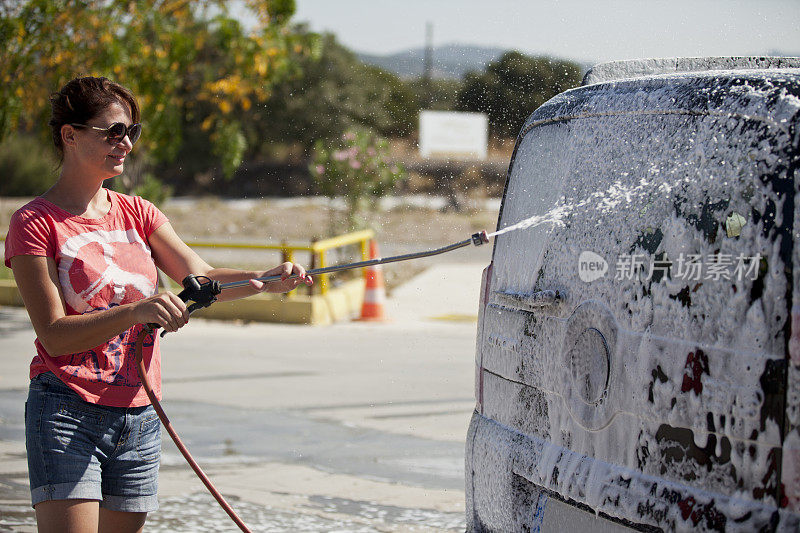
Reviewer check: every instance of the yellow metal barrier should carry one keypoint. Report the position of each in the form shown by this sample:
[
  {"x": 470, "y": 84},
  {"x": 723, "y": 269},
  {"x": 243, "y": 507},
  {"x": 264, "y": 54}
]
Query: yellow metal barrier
[
  {"x": 323, "y": 307},
  {"x": 5, "y": 272},
  {"x": 317, "y": 249}
]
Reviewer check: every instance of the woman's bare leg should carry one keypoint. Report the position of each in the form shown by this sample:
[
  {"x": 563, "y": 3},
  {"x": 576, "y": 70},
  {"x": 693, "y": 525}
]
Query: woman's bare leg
[
  {"x": 67, "y": 516},
  {"x": 118, "y": 521}
]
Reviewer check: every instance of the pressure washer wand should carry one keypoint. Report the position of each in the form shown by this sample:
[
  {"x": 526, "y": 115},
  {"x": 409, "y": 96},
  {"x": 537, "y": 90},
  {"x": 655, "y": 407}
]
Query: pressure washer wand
[
  {"x": 202, "y": 291},
  {"x": 476, "y": 239}
]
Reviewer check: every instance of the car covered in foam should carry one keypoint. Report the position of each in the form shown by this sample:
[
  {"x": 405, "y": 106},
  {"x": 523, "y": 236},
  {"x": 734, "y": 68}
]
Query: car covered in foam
[{"x": 638, "y": 346}]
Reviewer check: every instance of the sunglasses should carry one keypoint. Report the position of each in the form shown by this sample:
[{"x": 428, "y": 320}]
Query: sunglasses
[{"x": 117, "y": 131}]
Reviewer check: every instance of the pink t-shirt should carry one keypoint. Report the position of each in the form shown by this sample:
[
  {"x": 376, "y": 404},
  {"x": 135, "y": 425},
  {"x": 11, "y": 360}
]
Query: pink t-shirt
[{"x": 101, "y": 263}]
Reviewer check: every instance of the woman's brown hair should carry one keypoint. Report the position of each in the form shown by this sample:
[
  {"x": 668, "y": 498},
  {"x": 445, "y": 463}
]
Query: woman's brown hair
[{"x": 82, "y": 99}]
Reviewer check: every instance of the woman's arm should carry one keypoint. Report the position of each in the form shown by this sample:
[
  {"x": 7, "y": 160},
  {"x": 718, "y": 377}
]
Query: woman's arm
[
  {"x": 37, "y": 280},
  {"x": 177, "y": 260}
]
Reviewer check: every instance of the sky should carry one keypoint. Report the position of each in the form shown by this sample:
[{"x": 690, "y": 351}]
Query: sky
[{"x": 588, "y": 31}]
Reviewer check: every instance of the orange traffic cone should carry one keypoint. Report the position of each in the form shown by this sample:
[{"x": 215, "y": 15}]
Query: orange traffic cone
[{"x": 374, "y": 289}]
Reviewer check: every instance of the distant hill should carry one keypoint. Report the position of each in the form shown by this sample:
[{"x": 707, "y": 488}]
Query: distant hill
[
  {"x": 449, "y": 61},
  {"x": 782, "y": 53}
]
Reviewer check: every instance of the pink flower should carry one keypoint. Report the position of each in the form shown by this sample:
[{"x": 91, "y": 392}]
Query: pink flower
[
  {"x": 349, "y": 136},
  {"x": 320, "y": 169},
  {"x": 340, "y": 155},
  {"x": 354, "y": 163}
]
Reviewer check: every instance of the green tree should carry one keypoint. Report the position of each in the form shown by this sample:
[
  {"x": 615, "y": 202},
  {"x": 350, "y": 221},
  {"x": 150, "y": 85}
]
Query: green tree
[
  {"x": 443, "y": 94},
  {"x": 332, "y": 91},
  {"x": 26, "y": 166},
  {"x": 513, "y": 86},
  {"x": 195, "y": 70}
]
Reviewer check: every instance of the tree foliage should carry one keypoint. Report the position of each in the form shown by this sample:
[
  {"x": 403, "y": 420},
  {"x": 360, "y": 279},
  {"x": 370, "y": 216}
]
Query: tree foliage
[
  {"x": 513, "y": 86},
  {"x": 333, "y": 91},
  {"x": 26, "y": 167},
  {"x": 435, "y": 94},
  {"x": 215, "y": 91},
  {"x": 194, "y": 68}
]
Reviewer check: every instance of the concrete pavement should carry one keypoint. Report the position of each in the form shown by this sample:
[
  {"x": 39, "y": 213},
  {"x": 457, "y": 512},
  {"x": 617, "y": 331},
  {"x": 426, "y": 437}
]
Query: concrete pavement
[{"x": 350, "y": 427}]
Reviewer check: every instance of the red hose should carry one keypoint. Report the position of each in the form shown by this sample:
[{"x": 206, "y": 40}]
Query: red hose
[{"x": 172, "y": 433}]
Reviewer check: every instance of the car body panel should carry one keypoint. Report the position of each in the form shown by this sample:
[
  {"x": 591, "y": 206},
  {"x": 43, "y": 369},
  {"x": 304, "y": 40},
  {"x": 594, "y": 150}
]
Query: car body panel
[{"x": 653, "y": 390}]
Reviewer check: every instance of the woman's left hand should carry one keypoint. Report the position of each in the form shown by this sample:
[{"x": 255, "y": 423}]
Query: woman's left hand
[{"x": 286, "y": 284}]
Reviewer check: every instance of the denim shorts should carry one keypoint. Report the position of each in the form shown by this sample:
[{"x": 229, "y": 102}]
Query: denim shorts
[{"x": 80, "y": 450}]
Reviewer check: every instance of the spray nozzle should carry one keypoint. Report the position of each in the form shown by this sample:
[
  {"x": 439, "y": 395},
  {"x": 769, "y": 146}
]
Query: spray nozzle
[{"x": 480, "y": 238}]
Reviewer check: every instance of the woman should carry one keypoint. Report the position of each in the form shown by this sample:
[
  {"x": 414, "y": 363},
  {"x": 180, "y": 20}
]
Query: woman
[{"x": 84, "y": 259}]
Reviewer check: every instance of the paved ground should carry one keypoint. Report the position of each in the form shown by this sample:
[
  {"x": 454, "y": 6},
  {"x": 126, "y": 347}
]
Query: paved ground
[{"x": 351, "y": 427}]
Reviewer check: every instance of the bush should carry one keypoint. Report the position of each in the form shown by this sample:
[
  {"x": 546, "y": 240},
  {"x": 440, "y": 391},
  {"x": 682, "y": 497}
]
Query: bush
[
  {"x": 356, "y": 167},
  {"x": 27, "y": 167}
]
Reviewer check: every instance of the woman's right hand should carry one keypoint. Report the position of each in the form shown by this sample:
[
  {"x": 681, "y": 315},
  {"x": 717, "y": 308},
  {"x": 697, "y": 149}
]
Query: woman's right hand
[{"x": 164, "y": 309}]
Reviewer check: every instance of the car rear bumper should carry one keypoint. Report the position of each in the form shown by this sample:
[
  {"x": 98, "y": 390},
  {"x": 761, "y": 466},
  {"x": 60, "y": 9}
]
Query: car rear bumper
[{"x": 516, "y": 482}]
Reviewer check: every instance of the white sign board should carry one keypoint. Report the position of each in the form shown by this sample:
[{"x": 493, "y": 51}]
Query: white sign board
[{"x": 453, "y": 134}]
